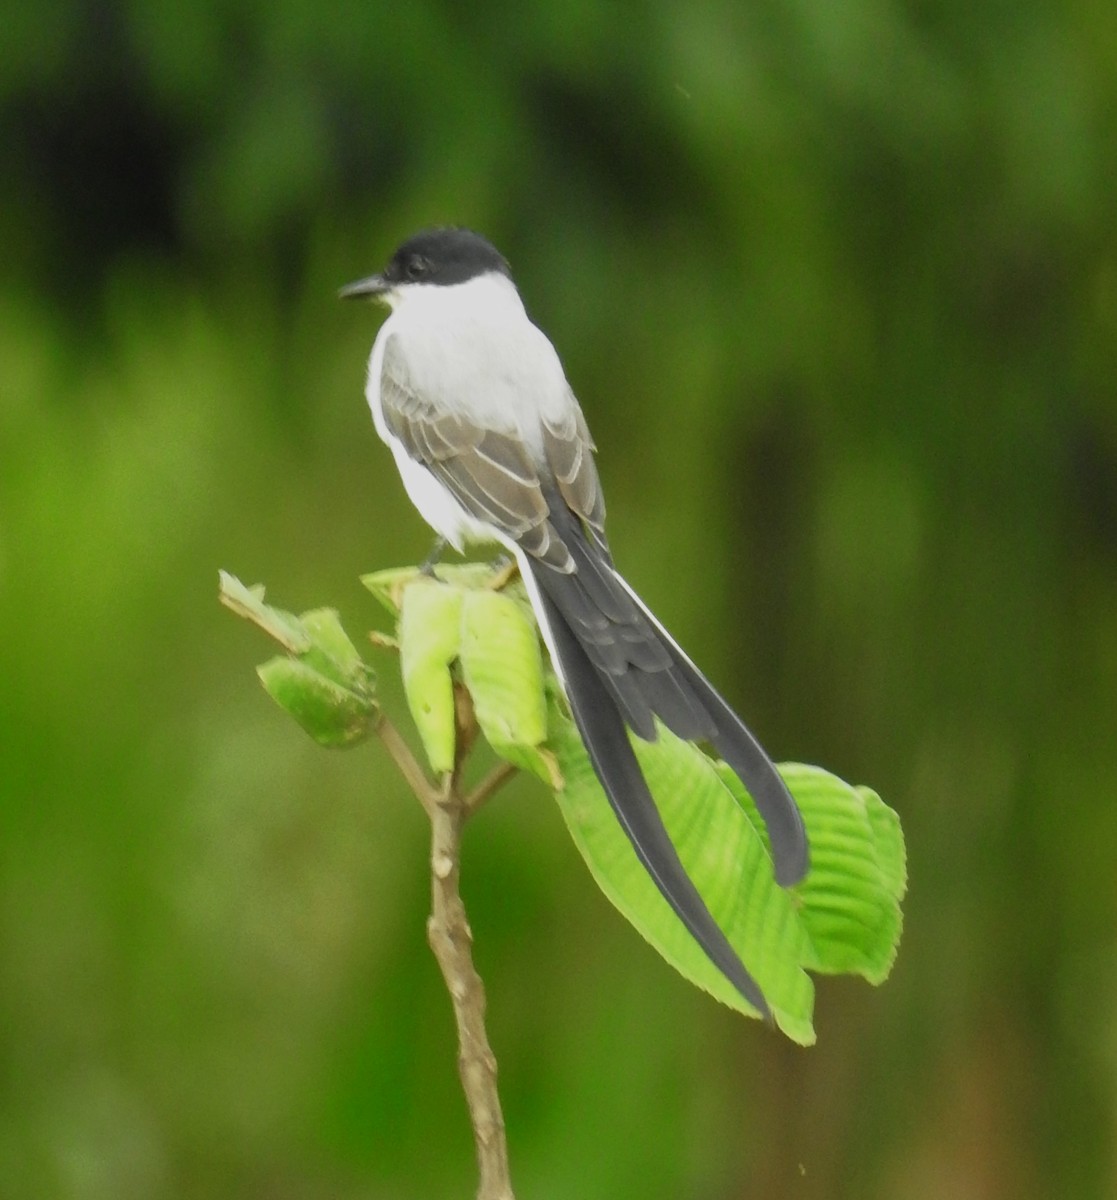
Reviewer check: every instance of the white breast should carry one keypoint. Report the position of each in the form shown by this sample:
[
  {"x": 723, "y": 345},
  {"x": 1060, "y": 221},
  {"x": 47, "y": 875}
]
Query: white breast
[{"x": 469, "y": 348}]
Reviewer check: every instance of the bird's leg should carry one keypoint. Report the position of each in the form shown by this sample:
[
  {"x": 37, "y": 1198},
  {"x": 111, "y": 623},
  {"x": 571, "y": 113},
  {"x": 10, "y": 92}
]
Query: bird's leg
[{"x": 427, "y": 566}]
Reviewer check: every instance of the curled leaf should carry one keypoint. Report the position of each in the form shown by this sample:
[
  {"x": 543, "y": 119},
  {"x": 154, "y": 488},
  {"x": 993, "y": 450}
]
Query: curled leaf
[
  {"x": 332, "y": 652},
  {"x": 332, "y": 714},
  {"x": 248, "y": 602},
  {"x": 430, "y": 637},
  {"x": 387, "y": 586},
  {"x": 503, "y": 670}
]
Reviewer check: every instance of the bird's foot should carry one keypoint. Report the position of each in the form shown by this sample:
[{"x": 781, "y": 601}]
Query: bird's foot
[{"x": 427, "y": 566}]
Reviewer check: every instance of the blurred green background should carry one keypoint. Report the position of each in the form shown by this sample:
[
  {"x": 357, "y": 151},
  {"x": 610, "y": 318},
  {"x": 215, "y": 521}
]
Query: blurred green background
[{"x": 836, "y": 283}]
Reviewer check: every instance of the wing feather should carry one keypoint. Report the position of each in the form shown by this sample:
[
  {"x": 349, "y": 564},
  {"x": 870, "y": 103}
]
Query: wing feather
[
  {"x": 569, "y": 448},
  {"x": 491, "y": 472}
]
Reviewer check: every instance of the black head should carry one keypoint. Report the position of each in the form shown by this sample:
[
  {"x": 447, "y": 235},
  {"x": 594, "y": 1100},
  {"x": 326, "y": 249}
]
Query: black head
[
  {"x": 441, "y": 257},
  {"x": 444, "y": 256}
]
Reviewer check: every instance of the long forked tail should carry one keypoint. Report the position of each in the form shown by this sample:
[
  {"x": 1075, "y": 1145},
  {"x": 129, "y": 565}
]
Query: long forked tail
[
  {"x": 620, "y": 668},
  {"x": 603, "y": 731},
  {"x": 748, "y": 759}
]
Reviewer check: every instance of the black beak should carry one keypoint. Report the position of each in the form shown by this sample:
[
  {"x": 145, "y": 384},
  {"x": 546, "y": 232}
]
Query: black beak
[{"x": 374, "y": 285}]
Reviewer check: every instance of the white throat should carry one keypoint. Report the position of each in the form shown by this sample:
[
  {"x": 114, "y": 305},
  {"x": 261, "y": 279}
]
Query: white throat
[{"x": 493, "y": 295}]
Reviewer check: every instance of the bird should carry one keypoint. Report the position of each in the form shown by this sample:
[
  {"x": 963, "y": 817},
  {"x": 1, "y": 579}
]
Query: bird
[{"x": 493, "y": 448}]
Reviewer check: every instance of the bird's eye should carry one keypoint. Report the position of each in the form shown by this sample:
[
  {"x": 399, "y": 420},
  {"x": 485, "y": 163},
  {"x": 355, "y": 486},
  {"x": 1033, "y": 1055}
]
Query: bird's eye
[{"x": 417, "y": 267}]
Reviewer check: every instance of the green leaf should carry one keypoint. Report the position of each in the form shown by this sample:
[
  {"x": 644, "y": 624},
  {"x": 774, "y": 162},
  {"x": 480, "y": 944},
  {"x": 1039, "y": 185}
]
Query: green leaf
[
  {"x": 492, "y": 635},
  {"x": 843, "y": 918},
  {"x": 324, "y": 684},
  {"x": 326, "y": 632},
  {"x": 849, "y": 901},
  {"x": 722, "y": 852},
  {"x": 430, "y": 638},
  {"x": 247, "y": 602},
  {"x": 331, "y": 651},
  {"x": 388, "y": 586},
  {"x": 536, "y": 759},
  {"x": 503, "y": 670},
  {"x": 850, "y": 909},
  {"x": 332, "y": 714},
  {"x": 891, "y": 853}
]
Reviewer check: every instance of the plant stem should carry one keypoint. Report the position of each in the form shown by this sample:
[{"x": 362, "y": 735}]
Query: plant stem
[
  {"x": 451, "y": 940},
  {"x": 499, "y": 775},
  {"x": 414, "y": 774}
]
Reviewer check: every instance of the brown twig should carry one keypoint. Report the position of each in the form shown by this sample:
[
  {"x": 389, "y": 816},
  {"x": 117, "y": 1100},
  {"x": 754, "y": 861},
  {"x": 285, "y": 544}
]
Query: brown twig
[
  {"x": 416, "y": 778},
  {"x": 493, "y": 781},
  {"x": 451, "y": 938}
]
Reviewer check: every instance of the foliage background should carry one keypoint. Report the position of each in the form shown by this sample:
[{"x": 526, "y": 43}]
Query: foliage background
[{"x": 837, "y": 285}]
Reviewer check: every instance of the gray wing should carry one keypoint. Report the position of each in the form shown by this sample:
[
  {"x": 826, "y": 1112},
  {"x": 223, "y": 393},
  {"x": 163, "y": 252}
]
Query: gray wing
[{"x": 491, "y": 473}]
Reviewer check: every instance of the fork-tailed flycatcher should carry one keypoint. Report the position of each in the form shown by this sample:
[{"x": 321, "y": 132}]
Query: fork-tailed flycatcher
[{"x": 492, "y": 446}]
